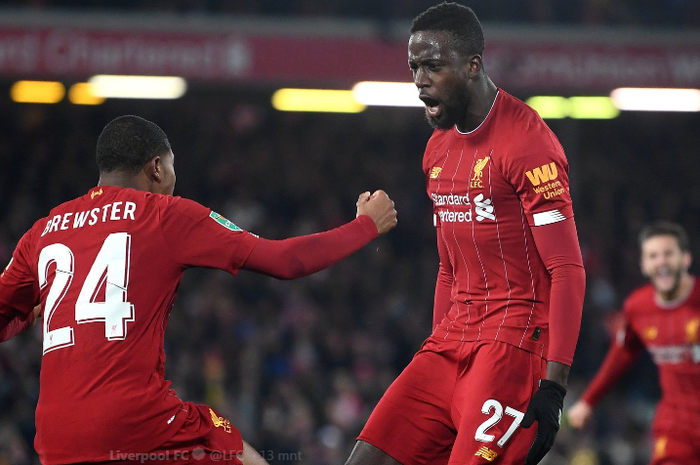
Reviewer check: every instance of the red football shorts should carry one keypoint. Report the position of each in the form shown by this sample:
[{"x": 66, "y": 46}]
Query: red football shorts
[
  {"x": 458, "y": 403},
  {"x": 205, "y": 438}
]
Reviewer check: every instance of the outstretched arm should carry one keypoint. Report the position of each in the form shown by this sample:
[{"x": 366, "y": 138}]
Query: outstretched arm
[
  {"x": 301, "y": 256},
  {"x": 620, "y": 357}
]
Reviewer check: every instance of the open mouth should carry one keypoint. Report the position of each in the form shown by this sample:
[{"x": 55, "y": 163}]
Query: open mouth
[
  {"x": 432, "y": 106},
  {"x": 664, "y": 277}
]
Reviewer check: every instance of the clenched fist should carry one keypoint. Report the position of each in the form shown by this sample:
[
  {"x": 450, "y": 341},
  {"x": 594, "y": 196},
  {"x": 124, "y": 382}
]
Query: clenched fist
[{"x": 380, "y": 208}]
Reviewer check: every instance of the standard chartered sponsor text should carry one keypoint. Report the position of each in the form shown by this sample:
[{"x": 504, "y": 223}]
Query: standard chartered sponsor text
[
  {"x": 448, "y": 216},
  {"x": 450, "y": 199}
]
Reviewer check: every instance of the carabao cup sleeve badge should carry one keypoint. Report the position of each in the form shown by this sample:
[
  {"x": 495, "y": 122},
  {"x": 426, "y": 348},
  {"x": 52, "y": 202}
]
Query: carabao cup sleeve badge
[{"x": 223, "y": 221}]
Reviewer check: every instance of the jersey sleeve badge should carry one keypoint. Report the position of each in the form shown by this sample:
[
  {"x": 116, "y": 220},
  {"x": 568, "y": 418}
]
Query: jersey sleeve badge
[{"x": 224, "y": 222}]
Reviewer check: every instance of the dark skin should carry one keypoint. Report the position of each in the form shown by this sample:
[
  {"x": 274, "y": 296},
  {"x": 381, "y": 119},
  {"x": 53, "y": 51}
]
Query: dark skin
[
  {"x": 156, "y": 176},
  {"x": 463, "y": 92},
  {"x": 458, "y": 92}
]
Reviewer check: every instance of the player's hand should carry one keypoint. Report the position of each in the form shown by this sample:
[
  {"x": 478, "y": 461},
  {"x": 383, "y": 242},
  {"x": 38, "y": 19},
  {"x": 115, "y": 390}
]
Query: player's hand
[
  {"x": 579, "y": 414},
  {"x": 545, "y": 408},
  {"x": 380, "y": 208}
]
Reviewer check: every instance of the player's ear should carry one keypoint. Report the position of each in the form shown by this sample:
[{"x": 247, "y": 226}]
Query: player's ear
[
  {"x": 642, "y": 268},
  {"x": 474, "y": 66},
  {"x": 687, "y": 259},
  {"x": 154, "y": 169}
]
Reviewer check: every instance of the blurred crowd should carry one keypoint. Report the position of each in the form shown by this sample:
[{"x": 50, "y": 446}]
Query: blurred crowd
[
  {"x": 298, "y": 365},
  {"x": 649, "y": 13}
]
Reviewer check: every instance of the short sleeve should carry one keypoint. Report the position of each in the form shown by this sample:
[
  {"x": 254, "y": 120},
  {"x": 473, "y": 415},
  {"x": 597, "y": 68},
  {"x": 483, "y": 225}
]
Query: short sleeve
[
  {"x": 200, "y": 237},
  {"x": 538, "y": 170},
  {"x": 19, "y": 289}
]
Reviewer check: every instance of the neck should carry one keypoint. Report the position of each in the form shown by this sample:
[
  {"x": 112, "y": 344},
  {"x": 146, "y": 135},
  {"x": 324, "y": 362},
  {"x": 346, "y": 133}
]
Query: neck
[
  {"x": 120, "y": 179},
  {"x": 685, "y": 287},
  {"x": 480, "y": 104}
]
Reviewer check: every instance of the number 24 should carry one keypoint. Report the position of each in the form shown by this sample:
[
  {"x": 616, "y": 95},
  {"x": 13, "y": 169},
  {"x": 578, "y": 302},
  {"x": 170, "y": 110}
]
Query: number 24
[{"x": 110, "y": 268}]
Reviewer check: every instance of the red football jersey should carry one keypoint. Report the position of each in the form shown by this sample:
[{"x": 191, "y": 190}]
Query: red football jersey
[
  {"x": 671, "y": 334},
  {"x": 104, "y": 318},
  {"x": 489, "y": 187}
]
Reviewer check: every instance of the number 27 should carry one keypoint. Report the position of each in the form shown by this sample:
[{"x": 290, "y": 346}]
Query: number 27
[{"x": 493, "y": 404}]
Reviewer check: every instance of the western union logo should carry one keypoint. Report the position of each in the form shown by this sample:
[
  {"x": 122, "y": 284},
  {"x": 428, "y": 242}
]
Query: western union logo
[
  {"x": 486, "y": 453},
  {"x": 544, "y": 173},
  {"x": 435, "y": 172}
]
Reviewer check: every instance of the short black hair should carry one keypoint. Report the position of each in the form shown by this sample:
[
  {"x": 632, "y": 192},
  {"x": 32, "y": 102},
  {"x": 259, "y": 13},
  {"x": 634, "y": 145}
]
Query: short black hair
[
  {"x": 666, "y": 228},
  {"x": 128, "y": 142},
  {"x": 460, "y": 21}
]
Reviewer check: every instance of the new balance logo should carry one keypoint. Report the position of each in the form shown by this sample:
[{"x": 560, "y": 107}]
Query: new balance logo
[
  {"x": 435, "y": 172},
  {"x": 486, "y": 453},
  {"x": 544, "y": 173}
]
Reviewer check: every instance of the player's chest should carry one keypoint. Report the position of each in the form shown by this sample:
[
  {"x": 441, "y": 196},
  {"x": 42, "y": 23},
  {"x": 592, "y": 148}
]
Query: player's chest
[
  {"x": 669, "y": 327},
  {"x": 670, "y": 336},
  {"x": 465, "y": 185}
]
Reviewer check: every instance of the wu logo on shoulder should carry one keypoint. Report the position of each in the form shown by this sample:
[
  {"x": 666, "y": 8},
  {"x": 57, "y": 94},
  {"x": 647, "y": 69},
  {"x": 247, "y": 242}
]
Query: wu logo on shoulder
[
  {"x": 544, "y": 173},
  {"x": 223, "y": 221}
]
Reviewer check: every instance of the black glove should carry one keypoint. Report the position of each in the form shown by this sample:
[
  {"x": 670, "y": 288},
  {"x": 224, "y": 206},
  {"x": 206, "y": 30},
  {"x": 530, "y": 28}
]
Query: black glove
[{"x": 545, "y": 407}]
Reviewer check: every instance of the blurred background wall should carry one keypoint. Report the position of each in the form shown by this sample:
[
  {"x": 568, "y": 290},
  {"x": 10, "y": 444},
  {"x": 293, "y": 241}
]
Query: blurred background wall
[{"x": 298, "y": 366}]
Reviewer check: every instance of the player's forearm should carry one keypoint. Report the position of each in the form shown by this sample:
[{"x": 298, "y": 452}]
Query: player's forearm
[
  {"x": 558, "y": 372},
  {"x": 565, "y": 309},
  {"x": 301, "y": 256},
  {"x": 618, "y": 360},
  {"x": 557, "y": 245}
]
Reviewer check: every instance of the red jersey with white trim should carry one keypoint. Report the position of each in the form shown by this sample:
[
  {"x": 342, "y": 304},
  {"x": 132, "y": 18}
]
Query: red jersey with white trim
[
  {"x": 489, "y": 187},
  {"x": 106, "y": 268},
  {"x": 671, "y": 334}
]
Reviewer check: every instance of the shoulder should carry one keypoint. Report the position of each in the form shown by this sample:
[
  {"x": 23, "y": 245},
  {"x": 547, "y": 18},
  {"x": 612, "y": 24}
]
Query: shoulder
[
  {"x": 640, "y": 300},
  {"x": 525, "y": 124},
  {"x": 440, "y": 137}
]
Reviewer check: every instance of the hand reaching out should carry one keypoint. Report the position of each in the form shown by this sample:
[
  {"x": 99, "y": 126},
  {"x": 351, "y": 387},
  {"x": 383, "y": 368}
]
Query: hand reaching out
[{"x": 579, "y": 414}]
